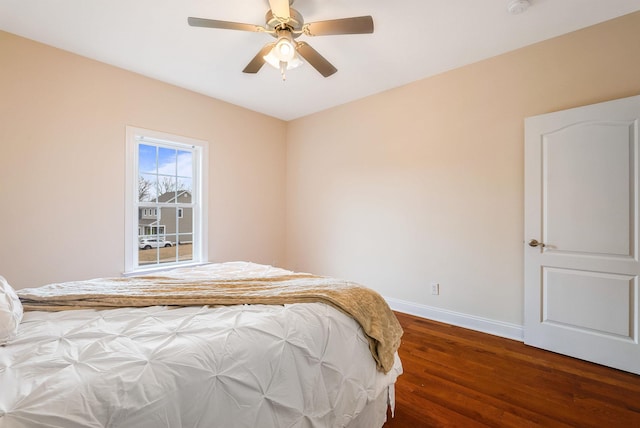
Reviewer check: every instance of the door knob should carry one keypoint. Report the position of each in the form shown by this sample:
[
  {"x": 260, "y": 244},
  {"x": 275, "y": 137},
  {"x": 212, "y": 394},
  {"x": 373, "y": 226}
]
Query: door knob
[{"x": 535, "y": 243}]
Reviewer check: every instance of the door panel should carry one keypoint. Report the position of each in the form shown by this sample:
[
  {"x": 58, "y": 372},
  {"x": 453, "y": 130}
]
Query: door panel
[
  {"x": 581, "y": 202},
  {"x": 582, "y": 300},
  {"x": 588, "y": 163}
]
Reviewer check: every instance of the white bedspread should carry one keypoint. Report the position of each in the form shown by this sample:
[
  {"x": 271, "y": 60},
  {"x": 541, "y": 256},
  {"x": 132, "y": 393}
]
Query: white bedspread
[{"x": 298, "y": 365}]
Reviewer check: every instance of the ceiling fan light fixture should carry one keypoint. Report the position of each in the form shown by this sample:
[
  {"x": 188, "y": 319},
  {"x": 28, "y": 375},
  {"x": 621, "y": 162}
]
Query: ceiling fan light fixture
[
  {"x": 272, "y": 59},
  {"x": 284, "y": 49},
  {"x": 283, "y": 56}
]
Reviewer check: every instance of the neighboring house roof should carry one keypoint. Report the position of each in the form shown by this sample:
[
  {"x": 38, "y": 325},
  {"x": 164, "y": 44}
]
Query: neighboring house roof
[{"x": 169, "y": 197}]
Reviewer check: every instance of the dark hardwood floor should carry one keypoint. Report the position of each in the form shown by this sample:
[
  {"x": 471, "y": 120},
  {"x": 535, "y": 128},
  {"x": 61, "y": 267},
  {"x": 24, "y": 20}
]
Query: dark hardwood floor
[{"x": 454, "y": 377}]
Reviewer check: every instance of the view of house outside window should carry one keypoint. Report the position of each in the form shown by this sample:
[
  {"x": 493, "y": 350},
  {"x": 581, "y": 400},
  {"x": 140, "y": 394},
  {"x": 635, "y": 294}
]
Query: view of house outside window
[
  {"x": 165, "y": 188},
  {"x": 166, "y": 209}
]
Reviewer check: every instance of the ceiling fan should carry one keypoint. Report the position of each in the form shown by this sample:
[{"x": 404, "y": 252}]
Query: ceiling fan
[{"x": 286, "y": 24}]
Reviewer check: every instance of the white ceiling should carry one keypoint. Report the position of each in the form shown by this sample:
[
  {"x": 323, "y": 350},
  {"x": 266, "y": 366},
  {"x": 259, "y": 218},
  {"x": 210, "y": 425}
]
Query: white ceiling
[{"x": 413, "y": 39}]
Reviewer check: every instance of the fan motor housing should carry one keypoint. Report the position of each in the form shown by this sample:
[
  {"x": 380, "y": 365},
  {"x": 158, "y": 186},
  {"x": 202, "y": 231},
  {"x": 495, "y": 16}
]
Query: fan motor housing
[{"x": 295, "y": 22}]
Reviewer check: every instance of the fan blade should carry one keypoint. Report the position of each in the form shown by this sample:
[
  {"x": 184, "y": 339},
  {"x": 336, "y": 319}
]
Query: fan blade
[
  {"x": 280, "y": 9},
  {"x": 224, "y": 25},
  {"x": 258, "y": 61},
  {"x": 318, "y": 62},
  {"x": 356, "y": 25}
]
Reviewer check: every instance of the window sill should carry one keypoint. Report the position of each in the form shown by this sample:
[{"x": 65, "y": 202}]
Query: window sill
[{"x": 155, "y": 269}]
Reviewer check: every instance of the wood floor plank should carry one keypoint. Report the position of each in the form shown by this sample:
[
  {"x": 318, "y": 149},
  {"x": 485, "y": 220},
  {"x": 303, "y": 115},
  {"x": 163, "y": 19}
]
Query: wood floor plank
[{"x": 455, "y": 377}]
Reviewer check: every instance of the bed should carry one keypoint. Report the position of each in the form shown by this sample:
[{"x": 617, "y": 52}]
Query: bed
[{"x": 106, "y": 353}]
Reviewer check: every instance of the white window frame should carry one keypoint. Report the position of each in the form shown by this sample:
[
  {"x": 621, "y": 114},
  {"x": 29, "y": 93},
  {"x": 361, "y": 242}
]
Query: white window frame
[{"x": 200, "y": 149}]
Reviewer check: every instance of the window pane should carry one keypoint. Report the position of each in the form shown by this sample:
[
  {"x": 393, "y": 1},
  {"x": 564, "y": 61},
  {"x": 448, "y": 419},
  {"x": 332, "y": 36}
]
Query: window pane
[
  {"x": 147, "y": 250},
  {"x": 185, "y": 252},
  {"x": 167, "y": 250},
  {"x": 147, "y": 223},
  {"x": 185, "y": 224},
  {"x": 169, "y": 220},
  {"x": 167, "y": 161},
  {"x": 147, "y": 188},
  {"x": 167, "y": 189},
  {"x": 185, "y": 184},
  {"x": 147, "y": 159},
  {"x": 147, "y": 257},
  {"x": 185, "y": 164}
]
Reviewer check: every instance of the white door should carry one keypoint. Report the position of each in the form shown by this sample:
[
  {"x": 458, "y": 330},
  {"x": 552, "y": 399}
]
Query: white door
[{"x": 581, "y": 207}]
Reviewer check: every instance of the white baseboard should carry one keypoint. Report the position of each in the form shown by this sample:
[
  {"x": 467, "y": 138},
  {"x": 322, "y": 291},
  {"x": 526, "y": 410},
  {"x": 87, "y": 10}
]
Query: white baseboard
[{"x": 484, "y": 325}]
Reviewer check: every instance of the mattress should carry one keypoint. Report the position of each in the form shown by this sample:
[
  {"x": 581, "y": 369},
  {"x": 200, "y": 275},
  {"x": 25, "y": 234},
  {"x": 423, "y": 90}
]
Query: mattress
[{"x": 291, "y": 365}]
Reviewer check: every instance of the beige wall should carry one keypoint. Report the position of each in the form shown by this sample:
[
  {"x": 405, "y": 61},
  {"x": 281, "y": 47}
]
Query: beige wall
[
  {"x": 62, "y": 165},
  {"x": 419, "y": 184},
  {"x": 424, "y": 183}
]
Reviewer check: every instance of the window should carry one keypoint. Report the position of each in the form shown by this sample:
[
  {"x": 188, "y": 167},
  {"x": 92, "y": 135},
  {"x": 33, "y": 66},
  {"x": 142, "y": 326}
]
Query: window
[{"x": 166, "y": 204}]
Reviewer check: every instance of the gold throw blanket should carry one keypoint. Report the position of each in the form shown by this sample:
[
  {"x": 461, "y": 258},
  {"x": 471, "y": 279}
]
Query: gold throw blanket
[{"x": 366, "y": 306}]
